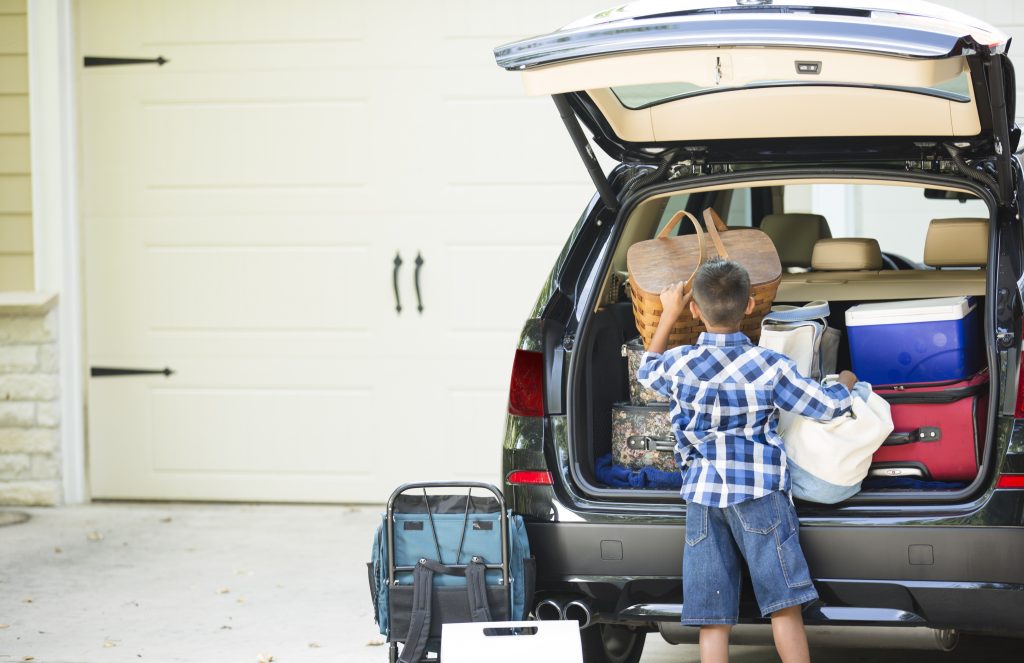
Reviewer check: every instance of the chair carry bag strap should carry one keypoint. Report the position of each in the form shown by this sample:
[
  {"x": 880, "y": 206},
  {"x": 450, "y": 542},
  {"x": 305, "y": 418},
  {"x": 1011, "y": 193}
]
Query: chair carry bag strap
[
  {"x": 419, "y": 625},
  {"x": 422, "y": 589},
  {"x": 476, "y": 586}
]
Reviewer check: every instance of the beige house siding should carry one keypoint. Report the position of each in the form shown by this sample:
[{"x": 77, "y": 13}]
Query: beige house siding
[{"x": 15, "y": 157}]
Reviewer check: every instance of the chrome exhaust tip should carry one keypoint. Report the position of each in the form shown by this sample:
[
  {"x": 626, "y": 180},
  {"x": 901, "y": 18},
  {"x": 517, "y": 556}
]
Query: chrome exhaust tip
[
  {"x": 578, "y": 611},
  {"x": 946, "y": 639},
  {"x": 548, "y": 610}
]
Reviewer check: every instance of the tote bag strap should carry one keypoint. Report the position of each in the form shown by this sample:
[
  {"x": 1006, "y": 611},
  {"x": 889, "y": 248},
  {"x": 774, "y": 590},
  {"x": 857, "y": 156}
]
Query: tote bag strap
[
  {"x": 817, "y": 310},
  {"x": 701, "y": 241}
]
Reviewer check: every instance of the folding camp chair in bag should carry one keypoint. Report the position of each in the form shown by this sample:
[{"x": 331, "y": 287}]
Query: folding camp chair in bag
[{"x": 446, "y": 558}]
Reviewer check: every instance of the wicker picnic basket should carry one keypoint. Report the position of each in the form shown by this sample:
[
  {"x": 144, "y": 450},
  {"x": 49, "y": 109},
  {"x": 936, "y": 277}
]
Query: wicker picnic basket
[{"x": 657, "y": 263}]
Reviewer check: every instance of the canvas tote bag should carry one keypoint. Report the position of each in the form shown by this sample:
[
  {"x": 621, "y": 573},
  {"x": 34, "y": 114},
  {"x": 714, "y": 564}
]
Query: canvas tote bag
[
  {"x": 802, "y": 334},
  {"x": 829, "y": 460}
]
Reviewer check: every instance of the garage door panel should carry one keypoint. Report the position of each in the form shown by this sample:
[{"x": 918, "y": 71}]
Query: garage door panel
[
  {"x": 464, "y": 18},
  {"x": 504, "y": 223},
  {"x": 250, "y": 144},
  {"x": 256, "y": 288},
  {"x": 492, "y": 301},
  {"x": 481, "y": 416},
  {"x": 500, "y": 150},
  {"x": 265, "y": 229},
  {"x": 289, "y": 344},
  {"x": 256, "y": 200},
  {"x": 242, "y": 207},
  {"x": 166, "y": 22},
  {"x": 265, "y": 431},
  {"x": 178, "y": 85}
]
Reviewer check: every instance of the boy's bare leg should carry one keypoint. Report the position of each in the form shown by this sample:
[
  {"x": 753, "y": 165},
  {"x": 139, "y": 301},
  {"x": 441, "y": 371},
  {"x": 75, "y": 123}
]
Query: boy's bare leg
[
  {"x": 790, "y": 636},
  {"x": 714, "y": 643}
]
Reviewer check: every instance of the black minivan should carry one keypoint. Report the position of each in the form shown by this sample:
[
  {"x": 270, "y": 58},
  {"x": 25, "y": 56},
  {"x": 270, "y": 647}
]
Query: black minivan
[{"x": 815, "y": 118}]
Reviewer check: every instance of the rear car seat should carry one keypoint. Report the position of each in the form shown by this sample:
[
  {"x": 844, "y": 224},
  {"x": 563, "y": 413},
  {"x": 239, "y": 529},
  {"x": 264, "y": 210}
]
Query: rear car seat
[
  {"x": 794, "y": 236},
  {"x": 956, "y": 243},
  {"x": 846, "y": 254}
]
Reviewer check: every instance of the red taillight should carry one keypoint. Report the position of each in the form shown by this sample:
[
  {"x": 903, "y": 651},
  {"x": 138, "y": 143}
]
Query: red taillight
[
  {"x": 531, "y": 477},
  {"x": 1019, "y": 410},
  {"x": 526, "y": 392},
  {"x": 1010, "y": 481}
]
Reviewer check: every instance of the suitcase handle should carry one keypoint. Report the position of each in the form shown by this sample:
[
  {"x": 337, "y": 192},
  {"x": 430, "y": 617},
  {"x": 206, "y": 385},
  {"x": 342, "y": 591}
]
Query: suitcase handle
[
  {"x": 648, "y": 443},
  {"x": 923, "y": 434}
]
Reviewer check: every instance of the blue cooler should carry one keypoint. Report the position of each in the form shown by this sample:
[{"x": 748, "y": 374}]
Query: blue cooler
[{"x": 924, "y": 340}]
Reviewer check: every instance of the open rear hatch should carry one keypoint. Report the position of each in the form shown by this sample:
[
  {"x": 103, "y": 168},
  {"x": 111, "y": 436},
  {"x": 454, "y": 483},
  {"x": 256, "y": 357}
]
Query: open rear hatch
[{"x": 755, "y": 80}]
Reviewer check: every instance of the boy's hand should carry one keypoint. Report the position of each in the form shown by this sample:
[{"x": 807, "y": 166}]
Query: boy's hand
[
  {"x": 674, "y": 301},
  {"x": 847, "y": 379}
]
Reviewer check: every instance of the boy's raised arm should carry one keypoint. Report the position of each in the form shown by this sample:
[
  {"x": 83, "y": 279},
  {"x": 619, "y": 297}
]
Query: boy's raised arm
[
  {"x": 801, "y": 395},
  {"x": 673, "y": 302},
  {"x": 654, "y": 370}
]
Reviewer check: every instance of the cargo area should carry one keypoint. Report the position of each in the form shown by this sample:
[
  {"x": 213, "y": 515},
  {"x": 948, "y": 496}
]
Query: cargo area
[{"x": 887, "y": 249}]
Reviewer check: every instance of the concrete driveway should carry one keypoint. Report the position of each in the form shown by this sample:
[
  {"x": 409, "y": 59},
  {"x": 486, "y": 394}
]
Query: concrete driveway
[{"x": 108, "y": 583}]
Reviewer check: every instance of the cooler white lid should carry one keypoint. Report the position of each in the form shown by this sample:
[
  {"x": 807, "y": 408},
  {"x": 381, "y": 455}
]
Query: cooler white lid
[{"x": 917, "y": 310}]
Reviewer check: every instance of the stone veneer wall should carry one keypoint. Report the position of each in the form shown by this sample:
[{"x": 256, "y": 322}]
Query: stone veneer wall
[{"x": 30, "y": 467}]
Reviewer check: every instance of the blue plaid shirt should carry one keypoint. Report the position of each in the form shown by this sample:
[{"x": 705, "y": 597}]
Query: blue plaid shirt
[{"x": 725, "y": 392}]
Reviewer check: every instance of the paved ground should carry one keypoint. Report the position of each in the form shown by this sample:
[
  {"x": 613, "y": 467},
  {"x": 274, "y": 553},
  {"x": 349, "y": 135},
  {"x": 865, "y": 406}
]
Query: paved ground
[{"x": 112, "y": 583}]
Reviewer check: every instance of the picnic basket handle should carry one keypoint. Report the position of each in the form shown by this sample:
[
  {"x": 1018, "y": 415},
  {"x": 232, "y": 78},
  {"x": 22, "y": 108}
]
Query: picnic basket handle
[
  {"x": 712, "y": 221},
  {"x": 701, "y": 241},
  {"x": 713, "y": 215}
]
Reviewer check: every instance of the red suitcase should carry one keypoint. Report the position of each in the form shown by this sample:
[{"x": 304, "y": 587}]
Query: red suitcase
[{"x": 938, "y": 430}]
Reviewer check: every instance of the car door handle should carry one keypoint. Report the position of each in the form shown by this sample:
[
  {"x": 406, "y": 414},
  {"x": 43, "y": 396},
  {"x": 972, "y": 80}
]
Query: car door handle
[
  {"x": 394, "y": 278},
  {"x": 113, "y": 372},
  {"x": 416, "y": 280}
]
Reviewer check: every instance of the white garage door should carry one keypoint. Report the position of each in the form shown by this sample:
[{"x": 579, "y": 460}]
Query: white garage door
[{"x": 243, "y": 207}]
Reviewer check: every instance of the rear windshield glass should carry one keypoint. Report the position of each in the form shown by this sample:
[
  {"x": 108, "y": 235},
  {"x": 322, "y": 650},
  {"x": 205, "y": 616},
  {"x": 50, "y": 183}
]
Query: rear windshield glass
[
  {"x": 898, "y": 217},
  {"x": 636, "y": 97}
]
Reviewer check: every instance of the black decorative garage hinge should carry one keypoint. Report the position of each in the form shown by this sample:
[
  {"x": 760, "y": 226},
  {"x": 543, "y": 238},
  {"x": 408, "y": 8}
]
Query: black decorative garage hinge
[
  {"x": 113, "y": 372},
  {"x": 94, "y": 61}
]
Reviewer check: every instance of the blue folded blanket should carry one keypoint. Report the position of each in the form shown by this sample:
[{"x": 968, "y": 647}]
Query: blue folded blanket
[
  {"x": 908, "y": 483},
  {"x": 617, "y": 476}
]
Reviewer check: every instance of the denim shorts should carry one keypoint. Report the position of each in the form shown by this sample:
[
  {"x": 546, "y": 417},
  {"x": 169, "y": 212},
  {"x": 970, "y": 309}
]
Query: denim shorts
[{"x": 765, "y": 533}]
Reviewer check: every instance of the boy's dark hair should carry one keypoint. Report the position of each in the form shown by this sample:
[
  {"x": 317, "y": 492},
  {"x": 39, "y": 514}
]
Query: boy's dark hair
[{"x": 721, "y": 289}]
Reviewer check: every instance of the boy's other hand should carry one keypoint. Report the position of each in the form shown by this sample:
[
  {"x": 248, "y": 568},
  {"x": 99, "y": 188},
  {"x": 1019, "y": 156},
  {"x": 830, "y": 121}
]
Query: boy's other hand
[
  {"x": 847, "y": 379},
  {"x": 674, "y": 301}
]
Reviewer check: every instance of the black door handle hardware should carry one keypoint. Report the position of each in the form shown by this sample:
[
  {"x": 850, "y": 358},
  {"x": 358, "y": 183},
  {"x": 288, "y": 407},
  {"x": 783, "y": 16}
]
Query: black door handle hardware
[
  {"x": 113, "y": 372},
  {"x": 394, "y": 277},
  {"x": 93, "y": 61},
  {"x": 416, "y": 278}
]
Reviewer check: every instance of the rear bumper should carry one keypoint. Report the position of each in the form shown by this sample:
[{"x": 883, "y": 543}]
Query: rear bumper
[{"x": 968, "y": 578}]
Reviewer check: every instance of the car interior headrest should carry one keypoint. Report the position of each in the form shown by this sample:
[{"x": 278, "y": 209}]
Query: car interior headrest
[
  {"x": 794, "y": 236},
  {"x": 846, "y": 254},
  {"x": 957, "y": 242}
]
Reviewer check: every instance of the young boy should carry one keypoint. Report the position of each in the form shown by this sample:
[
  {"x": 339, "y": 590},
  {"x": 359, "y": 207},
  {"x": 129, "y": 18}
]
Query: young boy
[{"x": 724, "y": 392}]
